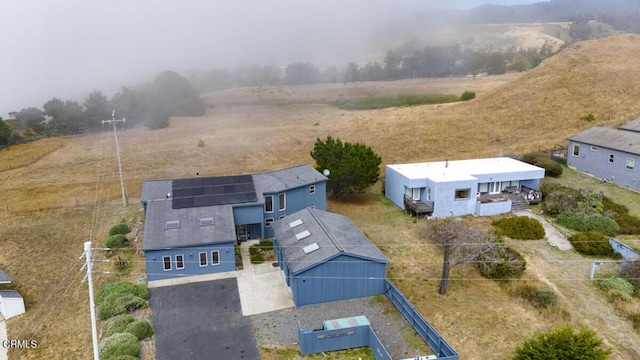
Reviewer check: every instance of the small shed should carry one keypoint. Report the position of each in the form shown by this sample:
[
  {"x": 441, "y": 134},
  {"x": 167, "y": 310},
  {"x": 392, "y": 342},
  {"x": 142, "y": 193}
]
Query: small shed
[
  {"x": 11, "y": 304},
  {"x": 325, "y": 257},
  {"x": 4, "y": 278}
]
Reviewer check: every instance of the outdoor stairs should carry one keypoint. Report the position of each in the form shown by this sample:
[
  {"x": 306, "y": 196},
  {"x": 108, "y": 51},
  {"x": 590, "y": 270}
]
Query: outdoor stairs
[{"x": 518, "y": 203}]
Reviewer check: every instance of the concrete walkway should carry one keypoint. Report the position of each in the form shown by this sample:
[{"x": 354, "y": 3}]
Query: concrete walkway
[{"x": 553, "y": 237}]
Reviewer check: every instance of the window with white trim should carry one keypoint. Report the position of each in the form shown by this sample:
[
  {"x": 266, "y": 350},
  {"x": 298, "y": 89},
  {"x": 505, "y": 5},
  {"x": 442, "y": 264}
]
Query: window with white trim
[
  {"x": 203, "y": 259},
  {"x": 631, "y": 163},
  {"x": 268, "y": 203},
  {"x": 612, "y": 158},
  {"x": 215, "y": 258},
  {"x": 179, "y": 262},
  {"x": 576, "y": 150},
  {"x": 166, "y": 263},
  {"x": 268, "y": 222},
  {"x": 282, "y": 202}
]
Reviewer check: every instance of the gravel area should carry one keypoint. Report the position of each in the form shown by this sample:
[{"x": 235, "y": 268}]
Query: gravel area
[{"x": 280, "y": 328}]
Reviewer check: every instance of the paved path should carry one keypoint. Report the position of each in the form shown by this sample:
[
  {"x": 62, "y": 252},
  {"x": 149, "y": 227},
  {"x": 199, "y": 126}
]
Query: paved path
[{"x": 553, "y": 237}]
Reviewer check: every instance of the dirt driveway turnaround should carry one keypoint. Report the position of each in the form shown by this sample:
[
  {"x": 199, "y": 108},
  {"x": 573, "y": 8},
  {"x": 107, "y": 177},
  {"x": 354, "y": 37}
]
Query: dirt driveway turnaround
[{"x": 201, "y": 321}]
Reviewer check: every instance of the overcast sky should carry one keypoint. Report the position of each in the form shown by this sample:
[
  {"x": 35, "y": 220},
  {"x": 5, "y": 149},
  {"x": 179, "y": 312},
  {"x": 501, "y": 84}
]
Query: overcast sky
[{"x": 67, "y": 48}]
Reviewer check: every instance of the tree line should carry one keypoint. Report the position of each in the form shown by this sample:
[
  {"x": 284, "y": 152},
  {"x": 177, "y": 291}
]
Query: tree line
[{"x": 169, "y": 94}]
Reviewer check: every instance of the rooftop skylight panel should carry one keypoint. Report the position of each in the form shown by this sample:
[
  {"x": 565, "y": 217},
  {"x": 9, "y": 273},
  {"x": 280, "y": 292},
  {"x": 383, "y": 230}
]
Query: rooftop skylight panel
[
  {"x": 303, "y": 235},
  {"x": 208, "y": 221},
  {"x": 311, "y": 248},
  {"x": 172, "y": 224},
  {"x": 295, "y": 223}
]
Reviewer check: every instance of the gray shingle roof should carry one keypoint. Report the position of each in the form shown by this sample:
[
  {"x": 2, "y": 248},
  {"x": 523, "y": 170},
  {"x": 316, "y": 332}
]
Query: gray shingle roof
[
  {"x": 633, "y": 125},
  {"x": 10, "y": 294},
  {"x": 4, "y": 278},
  {"x": 155, "y": 190},
  {"x": 190, "y": 232},
  {"x": 334, "y": 234},
  {"x": 283, "y": 179},
  {"x": 621, "y": 140}
]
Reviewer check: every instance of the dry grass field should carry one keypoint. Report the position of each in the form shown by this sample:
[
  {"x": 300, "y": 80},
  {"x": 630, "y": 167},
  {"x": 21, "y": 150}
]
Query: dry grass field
[{"x": 58, "y": 193}]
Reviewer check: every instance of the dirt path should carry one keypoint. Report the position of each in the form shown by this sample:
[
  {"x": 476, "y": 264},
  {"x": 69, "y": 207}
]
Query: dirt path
[{"x": 568, "y": 274}]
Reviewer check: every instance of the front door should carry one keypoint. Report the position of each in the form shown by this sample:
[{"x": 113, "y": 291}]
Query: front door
[
  {"x": 243, "y": 232},
  {"x": 416, "y": 193},
  {"x": 494, "y": 187}
]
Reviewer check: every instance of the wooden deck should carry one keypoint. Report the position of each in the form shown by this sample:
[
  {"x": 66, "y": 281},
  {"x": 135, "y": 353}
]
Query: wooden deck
[{"x": 418, "y": 207}]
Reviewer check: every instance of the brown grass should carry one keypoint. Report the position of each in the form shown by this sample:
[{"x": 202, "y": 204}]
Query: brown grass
[{"x": 60, "y": 192}]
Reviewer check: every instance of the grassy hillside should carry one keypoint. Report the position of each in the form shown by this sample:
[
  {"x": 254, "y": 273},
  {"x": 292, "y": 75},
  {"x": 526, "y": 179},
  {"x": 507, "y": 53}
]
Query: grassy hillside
[{"x": 57, "y": 193}]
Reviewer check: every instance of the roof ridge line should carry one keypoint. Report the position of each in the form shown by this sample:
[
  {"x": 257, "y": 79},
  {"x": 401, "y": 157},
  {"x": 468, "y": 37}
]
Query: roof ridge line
[{"x": 331, "y": 238}]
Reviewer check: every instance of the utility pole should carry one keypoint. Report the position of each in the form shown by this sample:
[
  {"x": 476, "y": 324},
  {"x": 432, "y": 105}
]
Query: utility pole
[
  {"x": 88, "y": 264},
  {"x": 113, "y": 121}
]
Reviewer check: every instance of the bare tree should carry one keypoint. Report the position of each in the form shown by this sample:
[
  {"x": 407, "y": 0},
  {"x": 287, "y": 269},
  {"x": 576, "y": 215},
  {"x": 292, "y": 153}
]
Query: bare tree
[{"x": 460, "y": 242}]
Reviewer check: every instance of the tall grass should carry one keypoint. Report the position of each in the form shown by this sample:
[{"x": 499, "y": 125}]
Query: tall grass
[{"x": 387, "y": 101}]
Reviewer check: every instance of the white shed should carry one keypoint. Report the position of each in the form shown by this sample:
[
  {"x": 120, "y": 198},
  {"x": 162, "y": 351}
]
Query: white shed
[{"x": 11, "y": 304}]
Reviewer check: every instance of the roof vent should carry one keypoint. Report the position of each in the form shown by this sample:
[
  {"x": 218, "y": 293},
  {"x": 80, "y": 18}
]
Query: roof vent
[
  {"x": 172, "y": 224},
  {"x": 311, "y": 248},
  {"x": 303, "y": 235},
  {"x": 208, "y": 221},
  {"x": 295, "y": 223}
]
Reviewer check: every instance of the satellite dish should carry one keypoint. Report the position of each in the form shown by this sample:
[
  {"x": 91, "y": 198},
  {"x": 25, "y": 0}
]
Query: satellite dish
[{"x": 326, "y": 172}]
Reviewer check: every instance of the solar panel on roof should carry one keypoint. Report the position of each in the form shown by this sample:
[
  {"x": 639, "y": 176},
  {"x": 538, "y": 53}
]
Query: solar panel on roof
[{"x": 211, "y": 191}]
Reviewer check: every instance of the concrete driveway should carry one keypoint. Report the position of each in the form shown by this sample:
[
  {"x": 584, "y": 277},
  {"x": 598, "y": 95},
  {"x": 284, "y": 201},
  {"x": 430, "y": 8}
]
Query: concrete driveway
[
  {"x": 201, "y": 320},
  {"x": 553, "y": 237}
]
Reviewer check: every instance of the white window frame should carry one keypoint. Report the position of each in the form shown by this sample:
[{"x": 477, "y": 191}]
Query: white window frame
[
  {"x": 612, "y": 158},
  {"x": 206, "y": 259},
  {"x": 282, "y": 201},
  {"x": 455, "y": 194},
  {"x": 166, "y": 260},
  {"x": 178, "y": 267},
  {"x": 213, "y": 262},
  {"x": 312, "y": 189},
  {"x": 266, "y": 209},
  {"x": 268, "y": 222},
  {"x": 633, "y": 164},
  {"x": 576, "y": 150}
]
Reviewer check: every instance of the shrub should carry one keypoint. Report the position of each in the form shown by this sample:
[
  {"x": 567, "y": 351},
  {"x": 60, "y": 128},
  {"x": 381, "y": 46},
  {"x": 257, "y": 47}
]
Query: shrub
[
  {"x": 539, "y": 298},
  {"x": 503, "y": 263},
  {"x": 520, "y": 227},
  {"x": 635, "y": 320},
  {"x": 118, "y": 303},
  {"x": 140, "y": 328},
  {"x": 628, "y": 224},
  {"x": 124, "y": 357},
  {"x": 116, "y": 241},
  {"x": 541, "y": 159},
  {"x": 630, "y": 271},
  {"x": 121, "y": 228},
  {"x": 116, "y": 324},
  {"x": 562, "y": 343},
  {"x": 468, "y": 95},
  {"x": 585, "y": 221},
  {"x": 592, "y": 243},
  {"x": 123, "y": 287},
  {"x": 118, "y": 345},
  {"x": 617, "y": 288}
]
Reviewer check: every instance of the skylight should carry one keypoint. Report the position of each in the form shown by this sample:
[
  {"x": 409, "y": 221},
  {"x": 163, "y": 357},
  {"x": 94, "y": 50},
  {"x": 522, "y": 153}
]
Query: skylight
[
  {"x": 295, "y": 223},
  {"x": 303, "y": 235},
  {"x": 172, "y": 224},
  {"x": 208, "y": 221},
  {"x": 311, "y": 248}
]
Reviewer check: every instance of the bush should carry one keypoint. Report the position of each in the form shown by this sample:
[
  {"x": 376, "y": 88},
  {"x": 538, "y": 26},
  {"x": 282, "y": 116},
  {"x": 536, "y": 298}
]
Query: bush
[
  {"x": 123, "y": 287},
  {"x": 116, "y": 324},
  {"x": 630, "y": 271},
  {"x": 520, "y": 227},
  {"x": 503, "y": 263},
  {"x": 592, "y": 243},
  {"x": 562, "y": 343},
  {"x": 587, "y": 221},
  {"x": 468, "y": 95},
  {"x": 124, "y": 357},
  {"x": 539, "y": 298},
  {"x": 541, "y": 159},
  {"x": 117, "y": 345},
  {"x": 635, "y": 320},
  {"x": 116, "y": 241},
  {"x": 118, "y": 303},
  {"x": 617, "y": 288},
  {"x": 140, "y": 328},
  {"x": 121, "y": 228}
]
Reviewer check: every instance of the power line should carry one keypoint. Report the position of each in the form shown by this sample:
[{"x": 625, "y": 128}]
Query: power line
[{"x": 115, "y": 134}]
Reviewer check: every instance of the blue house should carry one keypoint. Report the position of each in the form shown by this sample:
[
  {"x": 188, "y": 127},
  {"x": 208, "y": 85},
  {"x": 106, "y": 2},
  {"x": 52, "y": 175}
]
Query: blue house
[
  {"x": 460, "y": 187},
  {"x": 192, "y": 224},
  {"x": 609, "y": 154},
  {"x": 325, "y": 257}
]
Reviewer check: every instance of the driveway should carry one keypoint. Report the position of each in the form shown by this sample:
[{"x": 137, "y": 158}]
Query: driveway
[
  {"x": 201, "y": 320},
  {"x": 553, "y": 237}
]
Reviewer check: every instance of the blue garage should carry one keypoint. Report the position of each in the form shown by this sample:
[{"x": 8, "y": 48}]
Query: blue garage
[{"x": 325, "y": 257}]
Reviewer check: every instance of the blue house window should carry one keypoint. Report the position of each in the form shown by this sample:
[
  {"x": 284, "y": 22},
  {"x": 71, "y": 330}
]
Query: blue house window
[
  {"x": 268, "y": 203},
  {"x": 282, "y": 201},
  {"x": 203, "y": 259},
  {"x": 631, "y": 163},
  {"x": 612, "y": 158},
  {"x": 166, "y": 263},
  {"x": 462, "y": 194},
  {"x": 179, "y": 262},
  {"x": 215, "y": 258},
  {"x": 268, "y": 222},
  {"x": 576, "y": 150}
]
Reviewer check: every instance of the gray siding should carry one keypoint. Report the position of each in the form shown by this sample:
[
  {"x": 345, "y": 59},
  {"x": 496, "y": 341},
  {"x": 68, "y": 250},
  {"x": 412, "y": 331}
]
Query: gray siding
[{"x": 596, "y": 162}]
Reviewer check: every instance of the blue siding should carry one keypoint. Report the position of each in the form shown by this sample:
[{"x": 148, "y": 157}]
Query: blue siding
[
  {"x": 154, "y": 261},
  {"x": 248, "y": 215},
  {"x": 394, "y": 184},
  {"x": 296, "y": 199},
  {"x": 343, "y": 277},
  {"x": 444, "y": 199},
  {"x": 596, "y": 162}
]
